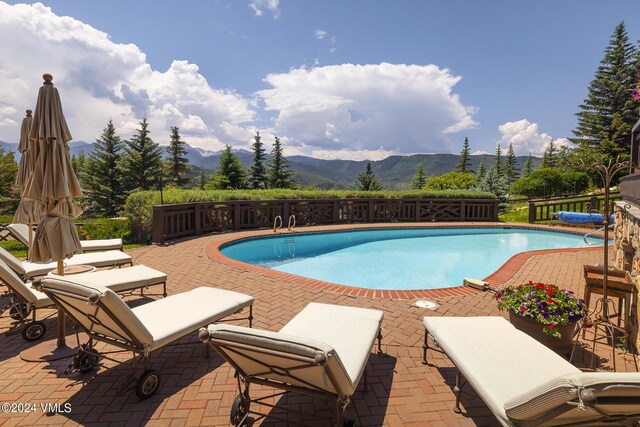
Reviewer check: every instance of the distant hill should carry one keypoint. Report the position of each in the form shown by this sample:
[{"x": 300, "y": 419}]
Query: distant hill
[{"x": 396, "y": 172}]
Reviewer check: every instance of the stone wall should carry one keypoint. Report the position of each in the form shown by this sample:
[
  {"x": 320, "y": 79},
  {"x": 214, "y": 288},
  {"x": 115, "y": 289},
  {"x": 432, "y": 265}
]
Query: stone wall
[{"x": 627, "y": 253}]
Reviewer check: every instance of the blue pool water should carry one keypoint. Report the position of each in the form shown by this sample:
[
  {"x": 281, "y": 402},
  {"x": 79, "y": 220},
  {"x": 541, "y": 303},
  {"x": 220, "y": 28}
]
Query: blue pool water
[{"x": 407, "y": 258}]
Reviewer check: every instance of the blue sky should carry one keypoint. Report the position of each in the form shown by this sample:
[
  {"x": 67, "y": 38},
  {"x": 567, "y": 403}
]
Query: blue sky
[{"x": 334, "y": 79}]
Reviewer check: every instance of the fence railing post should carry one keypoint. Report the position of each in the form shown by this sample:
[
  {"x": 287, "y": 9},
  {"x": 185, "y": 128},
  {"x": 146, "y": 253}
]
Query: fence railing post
[
  {"x": 236, "y": 215},
  {"x": 157, "y": 225},
  {"x": 197, "y": 219},
  {"x": 532, "y": 212}
]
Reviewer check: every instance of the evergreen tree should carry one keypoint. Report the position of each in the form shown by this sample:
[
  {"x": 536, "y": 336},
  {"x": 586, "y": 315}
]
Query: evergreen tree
[
  {"x": 8, "y": 171},
  {"x": 464, "y": 164},
  {"x": 142, "y": 160},
  {"x": 230, "y": 174},
  {"x": 202, "y": 179},
  {"x": 511, "y": 169},
  {"x": 419, "y": 179},
  {"x": 528, "y": 166},
  {"x": 550, "y": 157},
  {"x": 497, "y": 163},
  {"x": 367, "y": 180},
  {"x": 80, "y": 166},
  {"x": 176, "y": 163},
  {"x": 609, "y": 112},
  {"x": 279, "y": 174},
  {"x": 257, "y": 172},
  {"x": 481, "y": 172},
  {"x": 105, "y": 195},
  {"x": 496, "y": 184}
]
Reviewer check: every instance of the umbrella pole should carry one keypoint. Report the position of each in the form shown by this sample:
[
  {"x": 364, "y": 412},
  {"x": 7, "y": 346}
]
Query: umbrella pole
[{"x": 61, "y": 332}]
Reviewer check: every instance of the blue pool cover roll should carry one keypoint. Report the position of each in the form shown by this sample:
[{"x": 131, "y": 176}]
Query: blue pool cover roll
[{"x": 581, "y": 217}]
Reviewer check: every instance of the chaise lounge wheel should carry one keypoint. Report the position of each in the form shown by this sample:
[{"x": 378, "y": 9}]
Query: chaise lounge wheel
[
  {"x": 239, "y": 410},
  {"x": 148, "y": 384},
  {"x": 15, "y": 313},
  {"x": 33, "y": 331},
  {"x": 85, "y": 361}
]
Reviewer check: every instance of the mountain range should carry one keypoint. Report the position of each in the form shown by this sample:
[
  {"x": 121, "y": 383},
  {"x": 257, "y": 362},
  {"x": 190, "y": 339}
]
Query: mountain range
[{"x": 395, "y": 172}]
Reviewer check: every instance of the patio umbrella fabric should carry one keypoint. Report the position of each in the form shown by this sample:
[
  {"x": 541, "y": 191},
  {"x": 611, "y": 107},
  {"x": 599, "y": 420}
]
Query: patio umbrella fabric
[
  {"x": 53, "y": 181},
  {"x": 28, "y": 211}
]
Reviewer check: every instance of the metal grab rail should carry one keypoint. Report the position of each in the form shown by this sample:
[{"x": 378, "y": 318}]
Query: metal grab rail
[
  {"x": 275, "y": 223},
  {"x": 592, "y": 232},
  {"x": 292, "y": 218}
]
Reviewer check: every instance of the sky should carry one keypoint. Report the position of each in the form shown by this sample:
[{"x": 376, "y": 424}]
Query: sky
[{"x": 334, "y": 79}]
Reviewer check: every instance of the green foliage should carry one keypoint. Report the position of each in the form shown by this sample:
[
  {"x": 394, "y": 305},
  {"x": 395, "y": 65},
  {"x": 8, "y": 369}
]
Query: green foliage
[
  {"x": 550, "y": 182},
  {"x": 528, "y": 167},
  {"x": 8, "y": 171},
  {"x": 497, "y": 163},
  {"x": 14, "y": 247},
  {"x": 279, "y": 174},
  {"x": 230, "y": 174},
  {"x": 609, "y": 112},
  {"x": 464, "y": 164},
  {"x": 105, "y": 194},
  {"x": 492, "y": 182},
  {"x": 142, "y": 162},
  {"x": 103, "y": 228},
  {"x": 176, "y": 162},
  {"x": 511, "y": 169},
  {"x": 367, "y": 180},
  {"x": 419, "y": 179},
  {"x": 550, "y": 156},
  {"x": 482, "y": 170},
  {"x": 80, "y": 165},
  {"x": 452, "y": 181},
  {"x": 257, "y": 172},
  {"x": 139, "y": 206}
]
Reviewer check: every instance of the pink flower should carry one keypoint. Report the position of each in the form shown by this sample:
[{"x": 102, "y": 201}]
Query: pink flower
[{"x": 551, "y": 325}]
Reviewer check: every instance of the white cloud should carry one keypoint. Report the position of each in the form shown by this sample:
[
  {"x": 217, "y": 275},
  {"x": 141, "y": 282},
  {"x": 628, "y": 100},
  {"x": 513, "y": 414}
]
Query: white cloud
[
  {"x": 320, "y": 34},
  {"x": 99, "y": 79},
  {"x": 526, "y": 138},
  {"x": 391, "y": 108},
  {"x": 260, "y": 6}
]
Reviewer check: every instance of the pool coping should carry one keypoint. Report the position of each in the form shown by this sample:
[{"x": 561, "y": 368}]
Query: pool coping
[{"x": 497, "y": 278}]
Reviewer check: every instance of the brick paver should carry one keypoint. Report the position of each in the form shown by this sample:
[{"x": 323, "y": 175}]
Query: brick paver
[{"x": 199, "y": 391}]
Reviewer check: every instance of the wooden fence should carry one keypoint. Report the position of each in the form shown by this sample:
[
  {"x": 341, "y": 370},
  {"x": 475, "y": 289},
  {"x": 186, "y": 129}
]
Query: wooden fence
[
  {"x": 542, "y": 209},
  {"x": 192, "y": 219}
]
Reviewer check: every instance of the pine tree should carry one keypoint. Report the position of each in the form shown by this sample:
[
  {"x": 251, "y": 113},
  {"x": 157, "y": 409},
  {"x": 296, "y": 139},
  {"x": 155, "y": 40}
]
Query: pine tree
[
  {"x": 608, "y": 114},
  {"x": 80, "y": 166},
  {"x": 497, "y": 163},
  {"x": 230, "y": 174},
  {"x": 367, "y": 180},
  {"x": 279, "y": 174},
  {"x": 202, "y": 179},
  {"x": 8, "y": 171},
  {"x": 257, "y": 171},
  {"x": 550, "y": 157},
  {"x": 176, "y": 163},
  {"x": 419, "y": 179},
  {"x": 528, "y": 166},
  {"x": 481, "y": 172},
  {"x": 496, "y": 184},
  {"x": 511, "y": 170},
  {"x": 142, "y": 160},
  {"x": 105, "y": 195},
  {"x": 464, "y": 164}
]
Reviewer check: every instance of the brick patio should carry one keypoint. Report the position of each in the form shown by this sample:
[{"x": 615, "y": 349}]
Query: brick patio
[{"x": 199, "y": 391}]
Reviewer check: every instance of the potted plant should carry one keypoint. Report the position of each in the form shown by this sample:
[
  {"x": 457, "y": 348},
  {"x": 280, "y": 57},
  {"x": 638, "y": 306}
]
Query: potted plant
[{"x": 543, "y": 311}]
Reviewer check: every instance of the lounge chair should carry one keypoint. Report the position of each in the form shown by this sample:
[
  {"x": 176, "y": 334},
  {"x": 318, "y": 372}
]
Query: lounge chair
[
  {"x": 523, "y": 382},
  {"x": 322, "y": 352},
  {"x": 29, "y": 269},
  {"x": 20, "y": 232},
  {"x": 102, "y": 315},
  {"x": 24, "y": 301}
]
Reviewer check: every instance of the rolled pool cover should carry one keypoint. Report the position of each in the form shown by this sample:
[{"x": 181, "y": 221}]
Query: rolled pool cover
[{"x": 581, "y": 217}]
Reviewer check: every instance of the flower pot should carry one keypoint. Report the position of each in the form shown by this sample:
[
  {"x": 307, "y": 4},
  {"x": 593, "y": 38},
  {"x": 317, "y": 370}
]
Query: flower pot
[{"x": 535, "y": 330}]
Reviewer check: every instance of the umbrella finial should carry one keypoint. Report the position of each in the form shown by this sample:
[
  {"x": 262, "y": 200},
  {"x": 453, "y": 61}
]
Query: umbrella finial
[
  {"x": 47, "y": 78},
  {"x": 29, "y": 113}
]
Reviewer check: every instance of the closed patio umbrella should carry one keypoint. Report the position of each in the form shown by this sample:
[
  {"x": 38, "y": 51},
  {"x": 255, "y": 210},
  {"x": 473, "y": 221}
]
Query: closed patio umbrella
[
  {"x": 28, "y": 211},
  {"x": 54, "y": 184}
]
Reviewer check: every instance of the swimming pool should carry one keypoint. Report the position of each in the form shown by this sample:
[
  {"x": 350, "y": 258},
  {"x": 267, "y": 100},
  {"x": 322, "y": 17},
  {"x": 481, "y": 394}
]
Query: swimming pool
[{"x": 396, "y": 258}]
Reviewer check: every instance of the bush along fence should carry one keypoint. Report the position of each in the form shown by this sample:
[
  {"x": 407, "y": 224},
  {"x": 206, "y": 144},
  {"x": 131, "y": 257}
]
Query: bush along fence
[
  {"x": 543, "y": 209},
  {"x": 192, "y": 219}
]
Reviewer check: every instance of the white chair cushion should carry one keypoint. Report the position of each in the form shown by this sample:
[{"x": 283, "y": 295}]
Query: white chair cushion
[
  {"x": 14, "y": 263},
  {"x": 101, "y": 245},
  {"x": 173, "y": 317},
  {"x": 96, "y": 259},
  {"x": 498, "y": 360},
  {"x": 351, "y": 331},
  {"x": 123, "y": 279},
  {"x": 20, "y": 232}
]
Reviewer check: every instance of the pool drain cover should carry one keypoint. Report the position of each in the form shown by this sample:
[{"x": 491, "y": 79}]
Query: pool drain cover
[{"x": 423, "y": 303}]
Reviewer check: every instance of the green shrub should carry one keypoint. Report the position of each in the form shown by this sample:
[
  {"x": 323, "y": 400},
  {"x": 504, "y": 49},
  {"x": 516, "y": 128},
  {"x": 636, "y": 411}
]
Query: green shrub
[
  {"x": 575, "y": 182},
  {"x": 104, "y": 228},
  {"x": 541, "y": 183},
  {"x": 139, "y": 205},
  {"x": 452, "y": 181}
]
